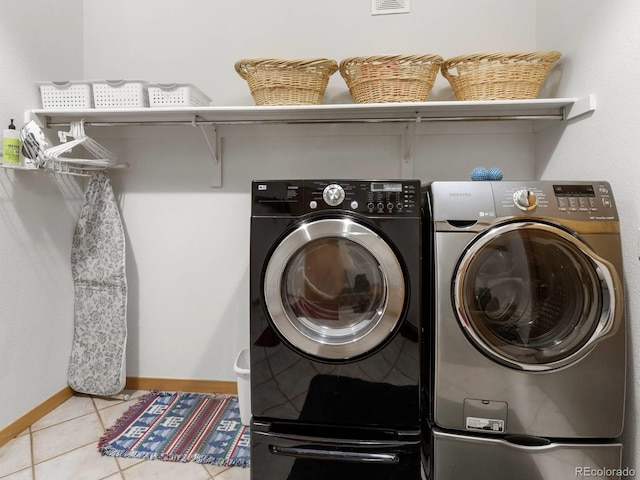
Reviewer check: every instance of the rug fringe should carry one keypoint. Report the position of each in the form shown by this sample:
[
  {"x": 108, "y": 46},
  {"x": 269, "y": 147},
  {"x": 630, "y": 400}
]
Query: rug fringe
[
  {"x": 168, "y": 457},
  {"x": 213, "y": 460},
  {"x": 114, "y": 452},
  {"x": 112, "y": 431}
]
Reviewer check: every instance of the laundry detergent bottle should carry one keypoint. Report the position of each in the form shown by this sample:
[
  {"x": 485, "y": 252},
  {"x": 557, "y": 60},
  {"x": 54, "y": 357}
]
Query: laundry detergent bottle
[{"x": 11, "y": 146}]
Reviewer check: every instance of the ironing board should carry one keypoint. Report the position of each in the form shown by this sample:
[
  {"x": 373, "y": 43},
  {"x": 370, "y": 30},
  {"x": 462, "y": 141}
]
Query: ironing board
[{"x": 97, "y": 364}]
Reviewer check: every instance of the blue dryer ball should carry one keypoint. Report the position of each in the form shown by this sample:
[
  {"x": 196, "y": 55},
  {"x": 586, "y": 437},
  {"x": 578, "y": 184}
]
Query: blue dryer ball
[
  {"x": 494, "y": 174},
  {"x": 480, "y": 174}
]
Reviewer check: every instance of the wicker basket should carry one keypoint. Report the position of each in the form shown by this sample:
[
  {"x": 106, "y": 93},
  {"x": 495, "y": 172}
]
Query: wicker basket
[
  {"x": 277, "y": 81},
  {"x": 390, "y": 78},
  {"x": 498, "y": 76}
]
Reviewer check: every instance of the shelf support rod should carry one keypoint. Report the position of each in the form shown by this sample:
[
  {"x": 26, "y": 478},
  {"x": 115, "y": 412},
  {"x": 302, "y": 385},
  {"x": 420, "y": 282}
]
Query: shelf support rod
[
  {"x": 213, "y": 144},
  {"x": 212, "y": 138},
  {"x": 407, "y": 148},
  {"x": 90, "y": 123}
]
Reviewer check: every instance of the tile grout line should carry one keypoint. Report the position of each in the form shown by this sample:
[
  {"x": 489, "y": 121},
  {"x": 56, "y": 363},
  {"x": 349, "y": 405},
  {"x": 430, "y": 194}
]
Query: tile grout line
[
  {"x": 33, "y": 463},
  {"x": 97, "y": 410}
]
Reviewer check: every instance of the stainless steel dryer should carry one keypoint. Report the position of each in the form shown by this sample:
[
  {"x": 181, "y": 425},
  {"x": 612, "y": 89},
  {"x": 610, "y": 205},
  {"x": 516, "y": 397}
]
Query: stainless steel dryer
[{"x": 528, "y": 324}]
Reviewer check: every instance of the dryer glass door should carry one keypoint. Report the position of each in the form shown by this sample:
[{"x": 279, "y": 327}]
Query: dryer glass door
[
  {"x": 534, "y": 297},
  {"x": 334, "y": 289}
]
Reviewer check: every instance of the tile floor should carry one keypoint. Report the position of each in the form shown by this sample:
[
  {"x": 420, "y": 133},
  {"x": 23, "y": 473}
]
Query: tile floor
[{"x": 63, "y": 446}]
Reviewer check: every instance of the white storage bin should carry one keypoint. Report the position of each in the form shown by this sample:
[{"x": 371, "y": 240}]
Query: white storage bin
[
  {"x": 120, "y": 94},
  {"x": 176, "y": 95},
  {"x": 242, "y": 369},
  {"x": 76, "y": 94}
]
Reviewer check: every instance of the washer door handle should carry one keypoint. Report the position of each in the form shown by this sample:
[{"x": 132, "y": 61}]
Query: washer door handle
[{"x": 610, "y": 322}]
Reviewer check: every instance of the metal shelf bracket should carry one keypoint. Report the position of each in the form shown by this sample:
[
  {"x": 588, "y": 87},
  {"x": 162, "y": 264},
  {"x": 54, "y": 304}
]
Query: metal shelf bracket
[
  {"x": 582, "y": 106},
  {"x": 212, "y": 138},
  {"x": 408, "y": 137}
]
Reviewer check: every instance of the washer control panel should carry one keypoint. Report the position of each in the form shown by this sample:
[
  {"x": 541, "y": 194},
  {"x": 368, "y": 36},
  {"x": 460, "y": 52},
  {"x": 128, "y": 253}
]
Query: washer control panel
[
  {"x": 385, "y": 198},
  {"x": 371, "y": 197}
]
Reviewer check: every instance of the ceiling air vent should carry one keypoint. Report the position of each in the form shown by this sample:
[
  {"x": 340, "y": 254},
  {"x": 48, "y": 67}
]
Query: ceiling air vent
[{"x": 384, "y": 7}]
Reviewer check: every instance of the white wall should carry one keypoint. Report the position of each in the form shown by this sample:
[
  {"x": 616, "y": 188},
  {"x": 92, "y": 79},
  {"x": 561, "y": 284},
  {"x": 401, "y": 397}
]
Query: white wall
[
  {"x": 37, "y": 212},
  {"x": 600, "y": 41},
  {"x": 188, "y": 243},
  {"x": 199, "y": 42}
]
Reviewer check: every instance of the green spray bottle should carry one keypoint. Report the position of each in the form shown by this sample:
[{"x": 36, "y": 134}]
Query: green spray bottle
[{"x": 11, "y": 146}]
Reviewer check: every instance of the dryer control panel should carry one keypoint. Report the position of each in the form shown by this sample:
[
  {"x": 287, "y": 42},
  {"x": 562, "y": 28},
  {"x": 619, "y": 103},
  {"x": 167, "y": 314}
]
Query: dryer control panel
[
  {"x": 486, "y": 202},
  {"x": 386, "y": 198},
  {"x": 582, "y": 201}
]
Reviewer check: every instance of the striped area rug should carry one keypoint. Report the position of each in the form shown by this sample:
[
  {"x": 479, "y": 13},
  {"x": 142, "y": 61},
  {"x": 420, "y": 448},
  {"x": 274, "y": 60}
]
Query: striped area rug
[{"x": 181, "y": 427}]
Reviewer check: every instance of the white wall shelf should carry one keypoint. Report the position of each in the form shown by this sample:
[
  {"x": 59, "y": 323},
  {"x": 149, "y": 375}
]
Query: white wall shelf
[{"x": 538, "y": 111}]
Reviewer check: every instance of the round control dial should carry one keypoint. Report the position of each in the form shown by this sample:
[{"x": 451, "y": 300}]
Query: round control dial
[
  {"x": 333, "y": 194},
  {"x": 525, "y": 200}
]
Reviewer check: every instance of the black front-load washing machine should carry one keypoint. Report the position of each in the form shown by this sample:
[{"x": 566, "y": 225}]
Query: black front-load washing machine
[{"x": 335, "y": 329}]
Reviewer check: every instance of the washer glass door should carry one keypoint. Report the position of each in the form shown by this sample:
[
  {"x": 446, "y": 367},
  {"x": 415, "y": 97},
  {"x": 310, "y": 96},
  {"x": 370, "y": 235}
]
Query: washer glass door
[
  {"x": 534, "y": 297},
  {"x": 334, "y": 289}
]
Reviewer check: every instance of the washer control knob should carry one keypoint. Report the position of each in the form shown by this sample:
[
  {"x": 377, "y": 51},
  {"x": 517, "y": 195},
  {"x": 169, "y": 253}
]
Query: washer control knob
[
  {"x": 525, "y": 200},
  {"x": 333, "y": 194}
]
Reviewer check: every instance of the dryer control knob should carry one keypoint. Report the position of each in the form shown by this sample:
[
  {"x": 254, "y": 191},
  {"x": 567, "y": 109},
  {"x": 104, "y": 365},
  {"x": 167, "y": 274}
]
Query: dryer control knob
[
  {"x": 525, "y": 200},
  {"x": 333, "y": 194}
]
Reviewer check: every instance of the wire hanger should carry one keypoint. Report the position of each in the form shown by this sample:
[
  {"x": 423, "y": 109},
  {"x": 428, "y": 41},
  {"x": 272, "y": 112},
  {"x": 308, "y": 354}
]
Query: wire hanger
[{"x": 102, "y": 158}]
